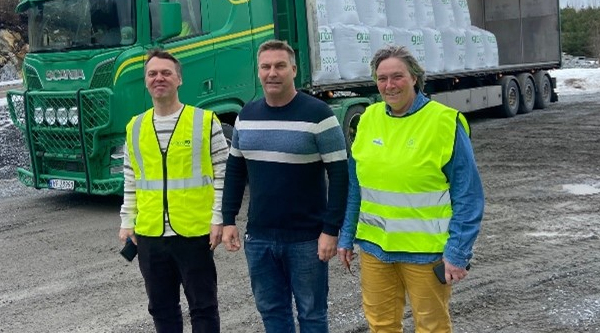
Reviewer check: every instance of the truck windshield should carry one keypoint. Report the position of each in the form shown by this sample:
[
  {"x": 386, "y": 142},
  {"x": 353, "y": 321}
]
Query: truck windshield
[{"x": 59, "y": 25}]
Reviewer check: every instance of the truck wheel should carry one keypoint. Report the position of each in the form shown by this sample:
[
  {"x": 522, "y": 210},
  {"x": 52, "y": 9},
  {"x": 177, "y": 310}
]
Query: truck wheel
[
  {"x": 527, "y": 92},
  {"x": 511, "y": 96},
  {"x": 543, "y": 90},
  {"x": 351, "y": 123},
  {"x": 228, "y": 132}
]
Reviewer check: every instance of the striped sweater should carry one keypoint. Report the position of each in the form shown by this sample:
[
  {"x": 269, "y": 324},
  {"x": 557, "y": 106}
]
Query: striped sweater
[
  {"x": 164, "y": 128},
  {"x": 286, "y": 153}
]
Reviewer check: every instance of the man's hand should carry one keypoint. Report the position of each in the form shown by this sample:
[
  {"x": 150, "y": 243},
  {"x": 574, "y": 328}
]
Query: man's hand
[
  {"x": 216, "y": 233},
  {"x": 346, "y": 256},
  {"x": 327, "y": 247},
  {"x": 453, "y": 273},
  {"x": 125, "y": 233},
  {"x": 231, "y": 238}
]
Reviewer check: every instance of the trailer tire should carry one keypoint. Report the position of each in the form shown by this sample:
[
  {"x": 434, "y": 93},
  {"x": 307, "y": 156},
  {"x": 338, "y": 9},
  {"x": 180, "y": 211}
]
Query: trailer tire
[
  {"x": 527, "y": 86},
  {"x": 350, "y": 125},
  {"x": 511, "y": 96},
  {"x": 227, "y": 132},
  {"x": 543, "y": 89}
]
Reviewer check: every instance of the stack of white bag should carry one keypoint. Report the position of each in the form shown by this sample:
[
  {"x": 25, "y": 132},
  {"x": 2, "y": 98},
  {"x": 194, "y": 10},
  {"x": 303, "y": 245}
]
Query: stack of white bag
[
  {"x": 327, "y": 69},
  {"x": 438, "y": 33},
  {"x": 453, "y": 37},
  {"x": 401, "y": 19},
  {"x": 413, "y": 25},
  {"x": 481, "y": 46},
  {"x": 351, "y": 39},
  {"x": 372, "y": 14}
]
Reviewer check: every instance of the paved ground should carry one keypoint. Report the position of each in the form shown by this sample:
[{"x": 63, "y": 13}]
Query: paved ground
[{"x": 536, "y": 265}]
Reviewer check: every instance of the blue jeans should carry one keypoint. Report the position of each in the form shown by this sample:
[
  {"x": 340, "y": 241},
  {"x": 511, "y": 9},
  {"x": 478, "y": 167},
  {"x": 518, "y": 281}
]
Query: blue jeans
[{"x": 280, "y": 270}]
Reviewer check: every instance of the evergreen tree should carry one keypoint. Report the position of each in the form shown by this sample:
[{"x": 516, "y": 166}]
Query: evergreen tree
[{"x": 580, "y": 31}]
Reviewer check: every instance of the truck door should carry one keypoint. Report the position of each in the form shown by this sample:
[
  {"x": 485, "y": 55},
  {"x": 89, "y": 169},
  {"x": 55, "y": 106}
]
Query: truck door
[
  {"x": 235, "y": 61},
  {"x": 194, "y": 48}
]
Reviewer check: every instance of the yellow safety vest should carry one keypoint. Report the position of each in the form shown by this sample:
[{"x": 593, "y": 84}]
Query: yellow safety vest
[
  {"x": 405, "y": 201},
  {"x": 179, "y": 182}
]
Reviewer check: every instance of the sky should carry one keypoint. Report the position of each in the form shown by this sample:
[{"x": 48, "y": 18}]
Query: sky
[
  {"x": 579, "y": 3},
  {"x": 569, "y": 81}
]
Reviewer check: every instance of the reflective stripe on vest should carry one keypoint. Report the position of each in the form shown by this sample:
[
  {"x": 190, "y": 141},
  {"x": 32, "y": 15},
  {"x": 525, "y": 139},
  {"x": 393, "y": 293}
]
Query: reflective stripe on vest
[
  {"x": 415, "y": 200},
  {"x": 405, "y": 200}
]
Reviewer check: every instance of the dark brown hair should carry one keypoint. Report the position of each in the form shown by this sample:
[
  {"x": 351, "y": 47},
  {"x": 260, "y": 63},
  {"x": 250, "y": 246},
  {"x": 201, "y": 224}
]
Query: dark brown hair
[{"x": 162, "y": 54}]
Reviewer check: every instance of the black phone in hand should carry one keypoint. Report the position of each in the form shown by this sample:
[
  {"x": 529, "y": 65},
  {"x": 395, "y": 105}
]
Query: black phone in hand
[
  {"x": 129, "y": 251},
  {"x": 440, "y": 271}
]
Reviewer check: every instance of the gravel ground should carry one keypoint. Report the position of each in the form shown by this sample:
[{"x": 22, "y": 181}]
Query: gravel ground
[{"x": 536, "y": 266}]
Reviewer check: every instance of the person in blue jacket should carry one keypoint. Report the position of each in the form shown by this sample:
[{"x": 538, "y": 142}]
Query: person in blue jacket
[{"x": 415, "y": 199}]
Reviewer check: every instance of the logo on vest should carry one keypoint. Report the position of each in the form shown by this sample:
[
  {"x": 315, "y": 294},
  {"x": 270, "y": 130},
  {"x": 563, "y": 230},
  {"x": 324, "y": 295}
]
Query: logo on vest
[
  {"x": 183, "y": 143},
  {"x": 378, "y": 142},
  {"x": 411, "y": 144}
]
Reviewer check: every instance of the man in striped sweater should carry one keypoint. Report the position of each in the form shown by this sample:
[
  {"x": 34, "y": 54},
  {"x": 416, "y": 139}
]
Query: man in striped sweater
[
  {"x": 285, "y": 144},
  {"x": 175, "y": 158}
]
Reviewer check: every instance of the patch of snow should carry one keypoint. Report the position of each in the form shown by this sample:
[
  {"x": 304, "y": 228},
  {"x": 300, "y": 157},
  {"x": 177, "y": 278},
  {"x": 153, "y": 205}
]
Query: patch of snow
[
  {"x": 11, "y": 83},
  {"x": 581, "y": 189}
]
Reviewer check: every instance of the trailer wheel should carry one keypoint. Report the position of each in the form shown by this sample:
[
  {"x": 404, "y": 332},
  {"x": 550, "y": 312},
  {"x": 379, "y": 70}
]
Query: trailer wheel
[
  {"x": 511, "y": 96},
  {"x": 351, "y": 120},
  {"x": 543, "y": 90},
  {"x": 527, "y": 92},
  {"x": 227, "y": 132}
]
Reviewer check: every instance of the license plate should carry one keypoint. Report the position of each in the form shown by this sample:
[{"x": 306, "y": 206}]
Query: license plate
[{"x": 61, "y": 184}]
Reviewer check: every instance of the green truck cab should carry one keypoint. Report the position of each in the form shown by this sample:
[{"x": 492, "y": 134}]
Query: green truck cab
[{"x": 83, "y": 77}]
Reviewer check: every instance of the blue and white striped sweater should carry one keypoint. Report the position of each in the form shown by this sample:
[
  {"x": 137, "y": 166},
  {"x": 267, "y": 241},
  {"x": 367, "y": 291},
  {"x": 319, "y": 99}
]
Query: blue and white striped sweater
[{"x": 285, "y": 152}]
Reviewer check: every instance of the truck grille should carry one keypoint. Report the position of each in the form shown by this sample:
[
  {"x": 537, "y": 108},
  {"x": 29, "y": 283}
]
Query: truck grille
[
  {"x": 59, "y": 120},
  {"x": 64, "y": 130}
]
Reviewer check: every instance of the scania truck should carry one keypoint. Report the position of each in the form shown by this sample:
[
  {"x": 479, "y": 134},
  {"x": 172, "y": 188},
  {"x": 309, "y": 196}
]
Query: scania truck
[{"x": 83, "y": 78}]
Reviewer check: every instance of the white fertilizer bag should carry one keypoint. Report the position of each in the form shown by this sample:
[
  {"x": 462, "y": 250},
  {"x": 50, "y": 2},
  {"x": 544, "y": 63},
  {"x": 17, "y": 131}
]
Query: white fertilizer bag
[
  {"x": 443, "y": 13},
  {"x": 475, "y": 51},
  {"x": 321, "y": 8},
  {"x": 413, "y": 40},
  {"x": 462, "y": 17},
  {"x": 490, "y": 45},
  {"x": 424, "y": 14},
  {"x": 434, "y": 50},
  {"x": 380, "y": 38},
  {"x": 453, "y": 40},
  {"x": 400, "y": 13},
  {"x": 327, "y": 69},
  {"x": 353, "y": 49},
  {"x": 342, "y": 12},
  {"x": 372, "y": 12}
]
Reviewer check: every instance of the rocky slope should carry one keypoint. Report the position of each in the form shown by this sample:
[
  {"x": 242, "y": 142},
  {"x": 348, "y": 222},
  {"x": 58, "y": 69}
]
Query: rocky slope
[{"x": 13, "y": 40}]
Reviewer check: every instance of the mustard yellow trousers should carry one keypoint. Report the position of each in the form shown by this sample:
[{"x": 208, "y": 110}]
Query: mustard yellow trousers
[{"x": 384, "y": 290}]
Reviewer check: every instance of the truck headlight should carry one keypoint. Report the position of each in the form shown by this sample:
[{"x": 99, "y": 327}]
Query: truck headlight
[
  {"x": 50, "y": 116},
  {"x": 38, "y": 115},
  {"x": 62, "y": 116},
  {"x": 73, "y": 116}
]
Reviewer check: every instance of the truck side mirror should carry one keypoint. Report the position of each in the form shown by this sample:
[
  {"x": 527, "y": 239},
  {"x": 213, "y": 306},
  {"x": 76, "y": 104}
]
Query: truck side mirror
[{"x": 170, "y": 20}]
